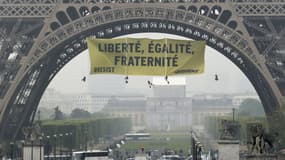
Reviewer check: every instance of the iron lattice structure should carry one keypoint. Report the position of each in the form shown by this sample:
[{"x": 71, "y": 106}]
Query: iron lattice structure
[{"x": 38, "y": 37}]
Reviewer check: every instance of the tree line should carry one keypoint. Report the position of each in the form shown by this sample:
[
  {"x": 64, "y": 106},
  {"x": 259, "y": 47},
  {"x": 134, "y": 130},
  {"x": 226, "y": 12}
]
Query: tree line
[{"x": 78, "y": 133}]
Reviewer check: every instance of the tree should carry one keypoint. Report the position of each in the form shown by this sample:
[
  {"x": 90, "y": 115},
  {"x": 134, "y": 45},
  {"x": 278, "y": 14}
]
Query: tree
[
  {"x": 251, "y": 107},
  {"x": 45, "y": 113},
  {"x": 80, "y": 113},
  {"x": 100, "y": 115},
  {"x": 58, "y": 115}
]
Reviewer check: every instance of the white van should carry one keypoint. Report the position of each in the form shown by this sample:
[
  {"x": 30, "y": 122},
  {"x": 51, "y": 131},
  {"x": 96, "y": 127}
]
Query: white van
[
  {"x": 140, "y": 157},
  {"x": 91, "y": 155}
]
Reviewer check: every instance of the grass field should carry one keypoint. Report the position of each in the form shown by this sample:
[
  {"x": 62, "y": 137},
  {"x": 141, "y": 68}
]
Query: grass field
[{"x": 175, "y": 141}]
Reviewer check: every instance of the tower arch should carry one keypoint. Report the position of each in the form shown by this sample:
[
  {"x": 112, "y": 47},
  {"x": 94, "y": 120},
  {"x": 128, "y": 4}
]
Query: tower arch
[{"x": 63, "y": 42}]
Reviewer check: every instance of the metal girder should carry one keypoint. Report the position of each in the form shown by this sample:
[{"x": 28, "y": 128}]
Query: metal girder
[
  {"x": 256, "y": 27},
  {"x": 9, "y": 38},
  {"x": 270, "y": 25},
  {"x": 259, "y": 8},
  {"x": 275, "y": 41}
]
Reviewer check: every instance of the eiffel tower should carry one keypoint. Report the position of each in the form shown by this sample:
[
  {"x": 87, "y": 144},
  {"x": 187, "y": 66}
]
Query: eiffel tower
[{"x": 38, "y": 37}]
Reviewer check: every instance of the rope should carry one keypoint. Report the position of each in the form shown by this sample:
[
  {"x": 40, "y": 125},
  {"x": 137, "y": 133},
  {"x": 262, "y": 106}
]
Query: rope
[
  {"x": 126, "y": 67},
  {"x": 165, "y": 57}
]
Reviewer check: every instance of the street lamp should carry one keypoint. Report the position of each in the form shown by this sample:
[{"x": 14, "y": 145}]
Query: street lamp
[
  {"x": 71, "y": 143},
  {"x": 23, "y": 145},
  {"x": 49, "y": 146},
  {"x": 65, "y": 143},
  {"x": 190, "y": 147},
  {"x": 54, "y": 145},
  {"x": 233, "y": 114},
  {"x": 60, "y": 144},
  {"x": 195, "y": 144},
  {"x": 40, "y": 138},
  {"x": 32, "y": 150},
  {"x": 12, "y": 149},
  {"x": 85, "y": 133}
]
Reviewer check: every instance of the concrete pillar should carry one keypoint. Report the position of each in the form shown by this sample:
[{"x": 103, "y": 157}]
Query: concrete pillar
[
  {"x": 33, "y": 152},
  {"x": 228, "y": 149}
]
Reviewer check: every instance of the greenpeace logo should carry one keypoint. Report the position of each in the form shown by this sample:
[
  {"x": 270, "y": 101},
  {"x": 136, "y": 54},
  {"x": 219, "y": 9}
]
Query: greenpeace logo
[{"x": 187, "y": 71}]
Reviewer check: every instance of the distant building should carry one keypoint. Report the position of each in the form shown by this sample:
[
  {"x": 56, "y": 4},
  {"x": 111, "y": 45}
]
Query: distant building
[
  {"x": 89, "y": 102},
  {"x": 68, "y": 102},
  {"x": 237, "y": 100},
  {"x": 131, "y": 107},
  {"x": 52, "y": 98},
  {"x": 169, "y": 109},
  {"x": 204, "y": 107}
]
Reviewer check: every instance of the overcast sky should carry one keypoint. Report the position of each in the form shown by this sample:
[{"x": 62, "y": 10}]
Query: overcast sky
[{"x": 231, "y": 79}]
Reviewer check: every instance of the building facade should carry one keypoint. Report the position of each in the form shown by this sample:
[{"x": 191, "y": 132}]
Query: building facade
[
  {"x": 52, "y": 99},
  {"x": 89, "y": 102},
  {"x": 129, "y": 107},
  {"x": 204, "y": 107},
  {"x": 68, "y": 102},
  {"x": 169, "y": 109}
]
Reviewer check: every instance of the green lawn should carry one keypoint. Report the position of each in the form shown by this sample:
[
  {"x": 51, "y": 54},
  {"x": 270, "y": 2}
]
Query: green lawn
[{"x": 172, "y": 140}]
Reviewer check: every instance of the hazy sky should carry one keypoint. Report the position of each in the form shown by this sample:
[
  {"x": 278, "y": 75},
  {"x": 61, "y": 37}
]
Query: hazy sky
[{"x": 231, "y": 79}]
